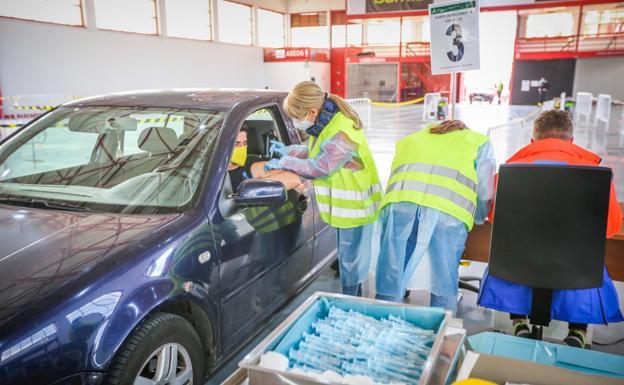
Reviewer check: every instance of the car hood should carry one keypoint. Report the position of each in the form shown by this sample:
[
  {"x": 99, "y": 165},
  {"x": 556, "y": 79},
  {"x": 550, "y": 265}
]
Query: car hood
[{"x": 42, "y": 250}]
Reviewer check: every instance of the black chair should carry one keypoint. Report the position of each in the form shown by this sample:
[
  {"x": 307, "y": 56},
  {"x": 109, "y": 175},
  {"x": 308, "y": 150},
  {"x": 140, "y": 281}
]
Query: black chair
[{"x": 549, "y": 230}]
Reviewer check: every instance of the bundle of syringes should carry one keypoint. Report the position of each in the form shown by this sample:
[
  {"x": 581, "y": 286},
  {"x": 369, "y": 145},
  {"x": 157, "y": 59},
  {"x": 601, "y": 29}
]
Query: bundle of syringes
[{"x": 348, "y": 345}]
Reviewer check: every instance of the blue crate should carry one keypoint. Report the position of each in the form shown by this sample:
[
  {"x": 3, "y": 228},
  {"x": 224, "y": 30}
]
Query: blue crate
[{"x": 546, "y": 353}]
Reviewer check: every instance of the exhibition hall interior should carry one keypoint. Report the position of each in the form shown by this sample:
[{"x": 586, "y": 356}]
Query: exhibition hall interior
[{"x": 303, "y": 192}]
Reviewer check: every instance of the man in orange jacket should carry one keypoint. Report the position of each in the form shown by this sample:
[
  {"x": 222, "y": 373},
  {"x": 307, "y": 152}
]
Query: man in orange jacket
[{"x": 552, "y": 141}]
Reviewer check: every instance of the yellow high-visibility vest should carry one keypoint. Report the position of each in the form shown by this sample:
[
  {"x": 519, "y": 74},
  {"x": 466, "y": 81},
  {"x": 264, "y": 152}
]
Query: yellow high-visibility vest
[
  {"x": 346, "y": 198},
  {"x": 437, "y": 171}
]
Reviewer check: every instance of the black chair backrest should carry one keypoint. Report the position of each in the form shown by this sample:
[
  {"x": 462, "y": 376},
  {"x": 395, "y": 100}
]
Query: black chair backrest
[{"x": 550, "y": 224}]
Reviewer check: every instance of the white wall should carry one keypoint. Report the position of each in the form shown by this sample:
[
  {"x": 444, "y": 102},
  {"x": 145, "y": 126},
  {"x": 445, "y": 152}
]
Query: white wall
[
  {"x": 284, "y": 76},
  {"x": 41, "y": 58},
  {"x": 603, "y": 75}
]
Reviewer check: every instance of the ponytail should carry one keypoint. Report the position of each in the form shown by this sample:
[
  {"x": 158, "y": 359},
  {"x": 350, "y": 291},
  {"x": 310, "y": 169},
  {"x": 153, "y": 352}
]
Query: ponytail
[
  {"x": 347, "y": 110},
  {"x": 447, "y": 126},
  {"x": 308, "y": 95}
]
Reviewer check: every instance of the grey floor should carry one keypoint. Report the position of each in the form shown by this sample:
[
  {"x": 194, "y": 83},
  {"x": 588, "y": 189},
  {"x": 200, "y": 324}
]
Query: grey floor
[{"x": 392, "y": 123}]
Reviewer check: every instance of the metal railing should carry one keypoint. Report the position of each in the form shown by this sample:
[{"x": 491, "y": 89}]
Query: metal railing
[
  {"x": 509, "y": 137},
  {"x": 363, "y": 108}
]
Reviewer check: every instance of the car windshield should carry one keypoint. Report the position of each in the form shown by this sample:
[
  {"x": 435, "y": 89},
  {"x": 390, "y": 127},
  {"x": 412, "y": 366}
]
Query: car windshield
[{"x": 109, "y": 159}]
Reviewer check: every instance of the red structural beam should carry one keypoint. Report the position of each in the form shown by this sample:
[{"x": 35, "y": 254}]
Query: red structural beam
[{"x": 538, "y": 5}]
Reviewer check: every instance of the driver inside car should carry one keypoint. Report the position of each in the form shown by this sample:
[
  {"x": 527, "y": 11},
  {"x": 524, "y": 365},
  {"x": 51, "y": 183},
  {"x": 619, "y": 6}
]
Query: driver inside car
[{"x": 239, "y": 169}]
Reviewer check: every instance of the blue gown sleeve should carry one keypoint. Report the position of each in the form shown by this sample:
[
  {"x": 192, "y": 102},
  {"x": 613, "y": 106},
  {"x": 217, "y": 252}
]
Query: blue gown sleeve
[
  {"x": 486, "y": 169},
  {"x": 334, "y": 153}
]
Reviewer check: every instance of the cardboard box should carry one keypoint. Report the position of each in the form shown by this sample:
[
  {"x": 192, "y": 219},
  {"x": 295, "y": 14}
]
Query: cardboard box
[{"x": 502, "y": 370}]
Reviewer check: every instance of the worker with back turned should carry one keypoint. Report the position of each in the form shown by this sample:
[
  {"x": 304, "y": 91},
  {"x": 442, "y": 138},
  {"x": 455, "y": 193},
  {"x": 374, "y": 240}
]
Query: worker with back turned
[
  {"x": 552, "y": 142},
  {"x": 441, "y": 184}
]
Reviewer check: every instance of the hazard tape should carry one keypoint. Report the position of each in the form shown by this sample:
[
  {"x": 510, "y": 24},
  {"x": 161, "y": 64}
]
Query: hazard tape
[
  {"x": 385, "y": 104},
  {"x": 139, "y": 121},
  {"x": 40, "y": 108}
]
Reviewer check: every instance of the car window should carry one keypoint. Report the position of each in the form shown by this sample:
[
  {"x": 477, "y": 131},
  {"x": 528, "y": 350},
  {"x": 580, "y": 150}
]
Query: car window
[
  {"x": 262, "y": 126},
  {"x": 147, "y": 120},
  {"x": 110, "y": 159},
  {"x": 56, "y": 147}
]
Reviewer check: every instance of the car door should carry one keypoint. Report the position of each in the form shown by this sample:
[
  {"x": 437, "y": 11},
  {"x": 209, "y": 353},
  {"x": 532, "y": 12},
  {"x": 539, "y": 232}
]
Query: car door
[
  {"x": 325, "y": 241},
  {"x": 264, "y": 250}
]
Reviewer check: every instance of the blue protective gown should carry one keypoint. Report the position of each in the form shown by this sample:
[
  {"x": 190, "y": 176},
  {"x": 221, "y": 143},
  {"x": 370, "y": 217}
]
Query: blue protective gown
[
  {"x": 354, "y": 244},
  {"x": 411, "y": 232}
]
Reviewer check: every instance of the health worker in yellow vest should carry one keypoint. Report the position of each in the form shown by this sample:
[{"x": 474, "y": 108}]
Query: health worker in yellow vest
[
  {"x": 339, "y": 162},
  {"x": 441, "y": 184}
]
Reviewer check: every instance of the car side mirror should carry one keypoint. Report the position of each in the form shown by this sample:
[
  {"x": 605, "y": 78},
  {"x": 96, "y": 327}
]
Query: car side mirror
[{"x": 260, "y": 192}]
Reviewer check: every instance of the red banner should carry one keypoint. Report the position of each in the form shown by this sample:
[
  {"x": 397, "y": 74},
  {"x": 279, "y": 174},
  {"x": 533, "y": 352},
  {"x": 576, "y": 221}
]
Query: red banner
[{"x": 296, "y": 54}]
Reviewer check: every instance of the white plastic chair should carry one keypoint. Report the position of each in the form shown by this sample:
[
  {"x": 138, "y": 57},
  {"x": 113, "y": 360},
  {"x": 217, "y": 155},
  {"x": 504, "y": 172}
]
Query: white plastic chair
[
  {"x": 603, "y": 111},
  {"x": 583, "y": 107}
]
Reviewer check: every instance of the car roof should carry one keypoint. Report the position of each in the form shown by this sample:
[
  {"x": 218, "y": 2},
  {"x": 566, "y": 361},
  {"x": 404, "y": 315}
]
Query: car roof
[{"x": 201, "y": 98}]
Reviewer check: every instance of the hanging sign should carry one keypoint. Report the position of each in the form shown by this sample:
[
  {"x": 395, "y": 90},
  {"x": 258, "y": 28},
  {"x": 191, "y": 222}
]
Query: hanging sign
[{"x": 454, "y": 36}]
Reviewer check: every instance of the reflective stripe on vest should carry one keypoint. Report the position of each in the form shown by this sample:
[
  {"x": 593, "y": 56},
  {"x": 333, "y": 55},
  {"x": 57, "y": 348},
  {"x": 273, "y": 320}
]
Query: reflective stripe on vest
[
  {"x": 348, "y": 213},
  {"x": 437, "y": 170},
  {"x": 348, "y": 194},
  {"x": 432, "y": 189}
]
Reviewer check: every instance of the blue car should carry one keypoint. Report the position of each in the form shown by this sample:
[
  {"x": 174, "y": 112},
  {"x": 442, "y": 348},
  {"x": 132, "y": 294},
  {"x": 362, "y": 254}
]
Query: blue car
[{"x": 126, "y": 254}]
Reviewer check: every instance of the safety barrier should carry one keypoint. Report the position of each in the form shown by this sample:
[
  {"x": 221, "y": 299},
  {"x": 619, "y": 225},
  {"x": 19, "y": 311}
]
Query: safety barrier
[
  {"x": 363, "y": 108},
  {"x": 399, "y": 104},
  {"x": 509, "y": 137}
]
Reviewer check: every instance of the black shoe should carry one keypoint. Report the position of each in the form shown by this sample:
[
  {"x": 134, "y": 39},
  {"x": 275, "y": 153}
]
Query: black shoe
[
  {"x": 407, "y": 293},
  {"x": 521, "y": 329},
  {"x": 575, "y": 338}
]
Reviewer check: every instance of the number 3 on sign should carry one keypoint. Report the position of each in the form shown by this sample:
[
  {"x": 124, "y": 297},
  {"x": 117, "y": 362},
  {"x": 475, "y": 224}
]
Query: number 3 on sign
[{"x": 457, "y": 47}]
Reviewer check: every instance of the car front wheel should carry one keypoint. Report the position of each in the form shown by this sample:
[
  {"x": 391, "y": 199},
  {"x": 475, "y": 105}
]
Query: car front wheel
[{"x": 164, "y": 349}]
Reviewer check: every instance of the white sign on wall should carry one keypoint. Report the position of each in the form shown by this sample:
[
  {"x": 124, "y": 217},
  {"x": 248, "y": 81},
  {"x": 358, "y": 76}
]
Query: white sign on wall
[{"x": 454, "y": 36}]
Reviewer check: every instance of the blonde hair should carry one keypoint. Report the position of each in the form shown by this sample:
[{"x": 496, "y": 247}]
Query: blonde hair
[
  {"x": 448, "y": 126},
  {"x": 308, "y": 95}
]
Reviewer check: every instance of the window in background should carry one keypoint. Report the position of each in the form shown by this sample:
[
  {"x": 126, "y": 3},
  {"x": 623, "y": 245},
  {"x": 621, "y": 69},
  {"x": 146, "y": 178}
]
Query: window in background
[
  {"x": 235, "y": 24},
  {"x": 383, "y": 31},
  {"x": 271, "y": 29},
  {"x": 353, "y": 35},
  {"x": 189, "y": 19},
  {"x": 550, "y": 25},
  {"x": 603, "y": 21},
  {"x": 67, "y": 12},
  {"x": 137, "y": 16},
  {"x": 415, "y": 29},
  {"x": 309, "y": 30}
]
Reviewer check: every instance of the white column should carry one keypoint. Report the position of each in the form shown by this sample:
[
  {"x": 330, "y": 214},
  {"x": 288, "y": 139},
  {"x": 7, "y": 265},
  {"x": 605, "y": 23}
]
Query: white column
[
  {"x": 255, "y": 41},
  {"x": 89, "y": 14},
  {"x": 161, "y": 15},
  {"x": 214, "y": 19}
]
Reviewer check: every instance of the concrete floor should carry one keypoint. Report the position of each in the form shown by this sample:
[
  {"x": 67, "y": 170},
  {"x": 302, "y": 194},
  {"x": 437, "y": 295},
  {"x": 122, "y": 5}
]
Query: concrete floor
[{"x": 390, "y": 124}]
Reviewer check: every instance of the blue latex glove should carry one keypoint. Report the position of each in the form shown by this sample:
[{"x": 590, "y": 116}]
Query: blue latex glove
[
  {"x": 279, "y": 148},
  {"x": 273, "y": 164}
]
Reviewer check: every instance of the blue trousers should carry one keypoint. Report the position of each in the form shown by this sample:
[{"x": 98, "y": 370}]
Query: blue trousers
[
  {"x": 408, "y": 231},
  {"x": 354, "y": 257}
]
